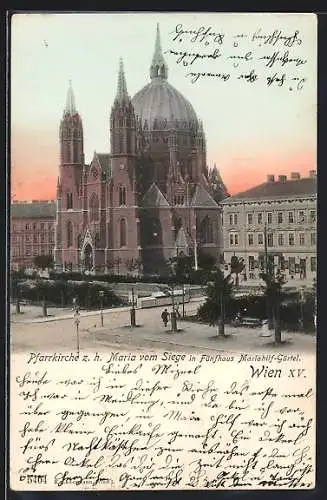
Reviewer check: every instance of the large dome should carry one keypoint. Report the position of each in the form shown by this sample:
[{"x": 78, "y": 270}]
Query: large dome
[
  {"x": 159, "y": 103},
  {"x": 162, "y": 102}
]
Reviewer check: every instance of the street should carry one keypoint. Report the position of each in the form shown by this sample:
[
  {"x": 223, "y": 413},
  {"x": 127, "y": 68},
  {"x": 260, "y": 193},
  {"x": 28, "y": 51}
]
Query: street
[{"x": 57, "y": 333}]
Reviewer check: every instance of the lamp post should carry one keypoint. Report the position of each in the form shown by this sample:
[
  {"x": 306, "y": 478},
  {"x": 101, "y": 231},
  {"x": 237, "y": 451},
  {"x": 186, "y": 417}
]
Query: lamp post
[
  {"x": 173, "y": 313},
  {"x": 268, "y": 275},
  {"x": 101, "y": 294},
  {"x": 301, "y": 307},
  {"x": 76, "y": 321},
  {"x": 196, "y": 267},
  {"x": 133, "y": 313}
]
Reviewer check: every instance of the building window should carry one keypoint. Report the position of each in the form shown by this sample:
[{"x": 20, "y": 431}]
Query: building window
[
  {"x": 280, "y": 240},
  {"x": 269, "y": 218},
  {"x": 42, "y": 238},
  {"x": 313, "y": 264},
  {"x": 34, "y": 227},
  {"x": 270, "y": 239},
  {"x": 233, "y": 219},
  {"x": 290, "y": 217},
  {"x": 291, "y": 239},
  {"x": 42, "y": 226},
  {"x": 313, "y": 238},
  {"x": 94, "y": 208},
  {"x": 206, "y": 230},
  {"x": 34, "y": 238},
  {"x": 280, "y": 217},
  {"x": 250, "y": 219},
  {"x": 251, "y": 263},
  {"x": 123, "y": 233},
  {"x": 27, "y": 227},
  {"x": 69, "y": 201},
  {"x": 301, "y": 216},
  {"x": 291, "y": 265},
  {"x": 302, "y": 239},
  {"x": 27, "y": 238},
  {"x": 312, "y": 216},
  {"x": 260, "y": 218},
  {"x": 69, "y": 234},
  {"x": 122, "y": 195},
  {"x": 250, "y": 239},
  {"x": 233, "y": 239},
  {"x": 260, "y": 239}
]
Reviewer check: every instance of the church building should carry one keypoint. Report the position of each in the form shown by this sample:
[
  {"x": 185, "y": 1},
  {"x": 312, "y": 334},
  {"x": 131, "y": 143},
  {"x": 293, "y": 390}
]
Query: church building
[{"x": 149, "y": 199}]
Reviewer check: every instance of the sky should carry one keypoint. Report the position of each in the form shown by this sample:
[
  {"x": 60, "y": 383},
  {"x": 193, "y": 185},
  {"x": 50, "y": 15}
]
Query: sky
[{"x": 252, "y": 129}]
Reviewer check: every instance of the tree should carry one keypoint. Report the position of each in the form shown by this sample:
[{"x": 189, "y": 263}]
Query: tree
[
  {"x": 274, "y": 293},
  {"x": 219, "y": 291},
  {"x": 180, "y": 267},
  {"x": 43, "y": 261}
]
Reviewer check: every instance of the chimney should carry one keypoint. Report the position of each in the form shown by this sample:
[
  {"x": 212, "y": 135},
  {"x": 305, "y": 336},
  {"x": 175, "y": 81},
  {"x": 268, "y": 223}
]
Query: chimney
[
  {"x": 270, "y": 178},
  {"x": 282, "y": 178},
  {"x": 295, "y": 176},
  {"x": 312, "y": 174}
]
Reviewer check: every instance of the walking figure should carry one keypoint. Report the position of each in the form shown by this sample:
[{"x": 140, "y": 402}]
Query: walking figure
[{"x": 165, "y": 317}]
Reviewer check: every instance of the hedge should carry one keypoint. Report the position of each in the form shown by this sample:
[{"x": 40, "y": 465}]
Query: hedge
[{"x": 61, "y": 293}]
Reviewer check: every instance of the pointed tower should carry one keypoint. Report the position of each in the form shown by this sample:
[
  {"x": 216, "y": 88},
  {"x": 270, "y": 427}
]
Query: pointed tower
[
  {"x": 124, "y": 241},
  {"x": 71, "y": 132},
  {"x": 122, "y": 119},
  {"x": 69, "y": 185},
  {"x": 159, "y": 68}
]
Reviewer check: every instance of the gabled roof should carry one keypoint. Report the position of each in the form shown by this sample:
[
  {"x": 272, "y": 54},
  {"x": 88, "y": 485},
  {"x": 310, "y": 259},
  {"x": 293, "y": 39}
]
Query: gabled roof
[
  {"x": 33, "y": 210},
  {"x": 202, "y": 199},
  {"x": 154, "y": 198},
  {"x": 105, "y": 162},
  {"x": 278, "y": 189}
]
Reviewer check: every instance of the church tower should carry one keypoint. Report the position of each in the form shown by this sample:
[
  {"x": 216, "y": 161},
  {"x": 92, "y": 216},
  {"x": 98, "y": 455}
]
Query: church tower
[
  {"x": 123, "y": 235},
  {"x": 69, "y": 185}
]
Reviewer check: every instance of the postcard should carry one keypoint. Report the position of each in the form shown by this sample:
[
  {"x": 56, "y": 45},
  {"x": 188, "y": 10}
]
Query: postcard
[{"x": 163, "y": 251}]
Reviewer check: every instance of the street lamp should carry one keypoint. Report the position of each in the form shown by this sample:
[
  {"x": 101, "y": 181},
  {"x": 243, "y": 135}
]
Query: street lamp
[
  {"x": 76, "y": 321},
  {"x": 132, "y": 312},
  {"x": 101, "y": 294},
  {"x": 302, "y": 300},
  {"x": 173, "y": 313}
]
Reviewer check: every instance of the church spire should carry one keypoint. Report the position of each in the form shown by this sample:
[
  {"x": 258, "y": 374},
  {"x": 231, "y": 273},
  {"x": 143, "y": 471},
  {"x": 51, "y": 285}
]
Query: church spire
[
  {"x": 122, "y": 94},
  {"x": 70, "y": 101},
  {"x": 159, "y": 68}
]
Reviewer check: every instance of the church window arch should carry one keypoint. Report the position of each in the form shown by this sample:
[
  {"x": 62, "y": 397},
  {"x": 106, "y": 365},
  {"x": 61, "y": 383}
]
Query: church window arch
[
  {"x": 69, "y": 229},
  {"x": 206, "y": 230},
  {"x": 79, "y": 241},
  {"x": 94, "y": 208},
  {"x": 123, "y": 232},
  {"x": 69, "y": 200},
  {"x": 122, "y": 196}
]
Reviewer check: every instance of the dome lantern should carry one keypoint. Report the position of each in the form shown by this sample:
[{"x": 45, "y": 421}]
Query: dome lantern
[{"x": 159, "y": 68}]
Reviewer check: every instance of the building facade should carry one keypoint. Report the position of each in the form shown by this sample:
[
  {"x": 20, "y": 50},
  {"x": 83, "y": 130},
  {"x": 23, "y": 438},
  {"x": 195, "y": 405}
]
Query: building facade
[
  {"x": 32, "y": 232},
  {"x": 149, "y": 198},
  {"x": 277, "y": 217}
]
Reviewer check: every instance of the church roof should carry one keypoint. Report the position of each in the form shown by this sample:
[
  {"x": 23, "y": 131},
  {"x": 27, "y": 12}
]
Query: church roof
[
  {"x": 70, "y": 101},
  {"x": 202, "y": 199},
  {"x": 280, "y": 189},
  {"x": 154, "y": 198},
  {"x": 33, "y": 210},
  {"x": 105, "y": 162}
]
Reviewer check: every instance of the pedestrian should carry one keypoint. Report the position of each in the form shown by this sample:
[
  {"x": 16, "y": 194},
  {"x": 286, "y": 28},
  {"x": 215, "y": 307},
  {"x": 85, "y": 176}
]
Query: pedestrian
[{"x": 165, "y": 317}]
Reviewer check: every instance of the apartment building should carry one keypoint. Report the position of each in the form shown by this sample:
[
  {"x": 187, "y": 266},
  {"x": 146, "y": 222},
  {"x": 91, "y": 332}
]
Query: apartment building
[
  {"x": 32, "y": 231},
  {"x": 278, "y": 216}
]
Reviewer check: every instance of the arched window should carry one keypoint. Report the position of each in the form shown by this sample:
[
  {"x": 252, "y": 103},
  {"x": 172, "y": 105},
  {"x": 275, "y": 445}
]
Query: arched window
[
  {"x": 94, "y": 208},
  {"x": 122, "y": 195},
  {"x": 79, "y": 241},
  {"x": 69, "y": 201},
  {"x": 69, "y": 234},
  {"x": 206, "y": 230},
  {"x": 123, "y": 233}
]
